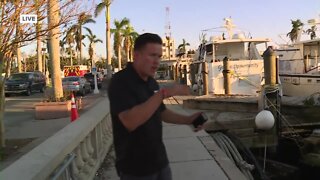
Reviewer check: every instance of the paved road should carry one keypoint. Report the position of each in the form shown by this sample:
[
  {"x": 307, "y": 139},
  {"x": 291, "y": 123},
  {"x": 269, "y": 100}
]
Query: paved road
[
  {"x": 19, "y": 109},
  {"x": 20, "y": 123},
  {"x": 19, "y": 114}
]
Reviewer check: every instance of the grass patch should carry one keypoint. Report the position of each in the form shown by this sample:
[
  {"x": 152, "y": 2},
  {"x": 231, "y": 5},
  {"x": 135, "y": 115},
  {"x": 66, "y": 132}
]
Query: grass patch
[{"x": 12, "y": 147}]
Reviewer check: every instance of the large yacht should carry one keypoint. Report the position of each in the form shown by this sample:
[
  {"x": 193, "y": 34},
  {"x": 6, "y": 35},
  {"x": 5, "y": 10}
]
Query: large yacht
[
  {"x": 245, "y": 62},
  {"x": 299, "y": 68}
]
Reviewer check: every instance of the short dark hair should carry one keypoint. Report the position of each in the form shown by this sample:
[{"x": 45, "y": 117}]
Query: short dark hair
[{"x": 146, "y": 38}]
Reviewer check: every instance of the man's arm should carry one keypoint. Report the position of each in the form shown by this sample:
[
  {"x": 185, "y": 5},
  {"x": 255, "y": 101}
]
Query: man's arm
[
  {"x": 169, "y": 116},
  {"x": 139, "y": 114}
]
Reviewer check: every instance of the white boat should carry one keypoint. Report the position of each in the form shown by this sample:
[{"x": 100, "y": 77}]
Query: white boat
[
  {"x": 245, "y": 62},
  {"x": 299, "y": 68}
]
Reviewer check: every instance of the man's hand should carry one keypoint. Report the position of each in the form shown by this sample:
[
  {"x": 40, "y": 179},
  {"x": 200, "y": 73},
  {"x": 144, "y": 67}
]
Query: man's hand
[
  {"x": 178, "y": 90},
  {"x": 192, "y": 117}
]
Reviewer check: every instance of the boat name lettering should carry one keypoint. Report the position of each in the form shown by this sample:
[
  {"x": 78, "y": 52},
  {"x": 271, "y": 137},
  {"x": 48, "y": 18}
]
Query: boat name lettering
[{"x": 239, "y": 66}]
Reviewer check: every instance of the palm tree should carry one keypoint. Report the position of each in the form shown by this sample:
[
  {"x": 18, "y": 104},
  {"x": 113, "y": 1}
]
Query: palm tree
[
  {"x": 53, "y": 20},
  {"x": 312, "y": 32},
  {"x": 182, "y": 47},
  {"x": 18, "y": 48},
  {"x": 106, "y": 4},
  {"x": 118, "y": 36},
  {"x": 203, "y": 38},
  {"x": 129, "y": 36},
  {"x": 134, "y": 37},
  {"x": 70, "y": 39},
  {"x": 38, "y": 28},
  {"x": 18, "y": 37},
  {"x": 83, "y": 19},
  {"x": 296, "y": 29},
  {"x": 92, "y": 40}
]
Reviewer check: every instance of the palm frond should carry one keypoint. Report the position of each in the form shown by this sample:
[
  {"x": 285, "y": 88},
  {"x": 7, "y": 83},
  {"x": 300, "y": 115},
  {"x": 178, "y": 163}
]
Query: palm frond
[
  {"x": 89, "y": 30},
  {"x": 89, "y": 21},
  {"x": 124, "y": 22},
  {"x": 108, "y": 2},
  {"x": 98, "y": 40},
  {"x": 99, "y": 8},
  {"x": 113, "y": 31}
]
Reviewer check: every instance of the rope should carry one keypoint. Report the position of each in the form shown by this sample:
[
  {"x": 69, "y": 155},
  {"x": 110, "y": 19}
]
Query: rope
[
  {"x": 273, "y": 89},
  {"x": 244, "y": 78},
  {"x": 232, "y": 152},
  {"x": 287, "y": 123}
]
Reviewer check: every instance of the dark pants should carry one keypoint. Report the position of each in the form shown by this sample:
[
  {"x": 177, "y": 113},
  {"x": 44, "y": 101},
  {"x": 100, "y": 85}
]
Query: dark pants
[{"x": 163, "y": 174}]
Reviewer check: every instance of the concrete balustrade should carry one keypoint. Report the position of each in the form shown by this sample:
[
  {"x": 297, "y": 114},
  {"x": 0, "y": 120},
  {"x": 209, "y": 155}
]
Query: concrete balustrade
[{"x": 75, "y": 152}]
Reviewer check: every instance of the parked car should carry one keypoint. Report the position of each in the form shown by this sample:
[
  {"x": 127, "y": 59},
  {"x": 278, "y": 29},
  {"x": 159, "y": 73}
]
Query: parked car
[
  {"x": 76, "y": 84},
  {"x": 25, "y": 83},
  {"x": 90, "y": 78}
]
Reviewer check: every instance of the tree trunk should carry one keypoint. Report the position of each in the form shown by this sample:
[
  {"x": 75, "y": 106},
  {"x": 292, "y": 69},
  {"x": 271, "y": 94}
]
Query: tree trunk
[
  {"x": 8, "y": 66},
  {"x": 41, "y": 67},
  {"x": 108, "y": 37},
  {"x": 18, "y": 50},
  {"x": 119, "y": 57},
  {"x": 53, "y": 19},
  {"x": 2, "y": 103},
  {"x": 91, "y": 55},
  {"x": 19, "y": 58},
  {"x": 80, "y": 47},
  {"x": 71, "y": 55},
  {"x": 39, "y": 49},
  {"x": 131, "y": 54},
  {"x": 128, "y": 53}
]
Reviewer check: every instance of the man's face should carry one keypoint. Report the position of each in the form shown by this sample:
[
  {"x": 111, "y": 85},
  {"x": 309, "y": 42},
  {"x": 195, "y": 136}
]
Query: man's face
[{"x": 148, "y": 59}]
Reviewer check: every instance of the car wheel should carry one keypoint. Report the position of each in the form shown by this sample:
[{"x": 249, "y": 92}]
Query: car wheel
[
  {"x": 7, "y": 95},
  {"x": 28, "y": 93},
  {"x": 99, "y": 86},
  {"x": 42, "y": 88}
]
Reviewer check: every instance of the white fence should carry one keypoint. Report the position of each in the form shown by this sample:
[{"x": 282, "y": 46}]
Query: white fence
[{"x": 75, "y": 152}]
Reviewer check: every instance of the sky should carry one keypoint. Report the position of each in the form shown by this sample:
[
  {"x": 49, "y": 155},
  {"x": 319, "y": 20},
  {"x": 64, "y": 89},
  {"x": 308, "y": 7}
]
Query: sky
[{"x": 263, "y": 19}]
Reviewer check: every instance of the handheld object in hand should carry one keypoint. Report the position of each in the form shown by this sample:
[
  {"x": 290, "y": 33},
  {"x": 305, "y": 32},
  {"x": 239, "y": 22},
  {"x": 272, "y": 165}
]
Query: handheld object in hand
[{"x": 200, "y": 120}]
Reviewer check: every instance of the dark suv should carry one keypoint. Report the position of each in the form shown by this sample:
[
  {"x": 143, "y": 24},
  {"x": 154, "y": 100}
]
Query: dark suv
[
  {"x": 25, "y": 83},
  {"x": 90, "y": 78}
]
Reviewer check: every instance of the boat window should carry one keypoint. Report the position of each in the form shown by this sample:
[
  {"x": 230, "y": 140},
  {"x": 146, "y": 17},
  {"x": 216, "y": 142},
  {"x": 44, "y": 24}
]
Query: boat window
[{"x": 209, "y": 48}]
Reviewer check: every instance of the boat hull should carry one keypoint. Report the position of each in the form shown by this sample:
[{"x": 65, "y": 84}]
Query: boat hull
[{"x": 300, "y": 85}]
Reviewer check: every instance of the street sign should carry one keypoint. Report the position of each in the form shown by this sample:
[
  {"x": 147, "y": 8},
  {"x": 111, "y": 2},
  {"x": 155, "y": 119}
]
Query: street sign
[{"x": 94, "y": 70}]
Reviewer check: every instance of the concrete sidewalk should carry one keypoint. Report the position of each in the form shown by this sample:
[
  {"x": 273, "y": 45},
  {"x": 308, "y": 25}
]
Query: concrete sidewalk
[{"x": 192, "y": 156}]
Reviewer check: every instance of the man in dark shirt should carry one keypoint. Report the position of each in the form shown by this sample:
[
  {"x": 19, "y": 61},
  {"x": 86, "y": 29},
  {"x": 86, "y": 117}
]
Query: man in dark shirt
[{"x": 137, "y": 113}]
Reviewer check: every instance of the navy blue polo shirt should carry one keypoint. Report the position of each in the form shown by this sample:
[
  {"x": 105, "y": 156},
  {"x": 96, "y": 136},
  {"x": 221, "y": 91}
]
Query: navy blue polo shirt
[{"x": 140, "y": 152}]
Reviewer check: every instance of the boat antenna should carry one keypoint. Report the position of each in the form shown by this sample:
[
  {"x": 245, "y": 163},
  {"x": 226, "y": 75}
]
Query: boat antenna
[{"x": 228, "y": 24}]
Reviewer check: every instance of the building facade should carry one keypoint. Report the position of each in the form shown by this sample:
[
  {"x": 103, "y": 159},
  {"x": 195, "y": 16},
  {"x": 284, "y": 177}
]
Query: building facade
[{"x": 168, "y": 49}]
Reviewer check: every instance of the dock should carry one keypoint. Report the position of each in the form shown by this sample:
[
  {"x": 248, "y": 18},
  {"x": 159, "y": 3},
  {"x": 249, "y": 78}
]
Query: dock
[{"x": 192, "y": 155}]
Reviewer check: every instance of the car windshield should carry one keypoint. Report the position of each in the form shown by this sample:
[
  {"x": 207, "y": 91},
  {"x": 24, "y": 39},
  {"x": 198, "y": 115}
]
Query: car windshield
[
  {"x": 19, "y": 77},
  {"x": 70, "y": 79}
]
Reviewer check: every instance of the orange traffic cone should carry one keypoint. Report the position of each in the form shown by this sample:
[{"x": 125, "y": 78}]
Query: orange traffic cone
[{"x": 74, "y": 110}]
